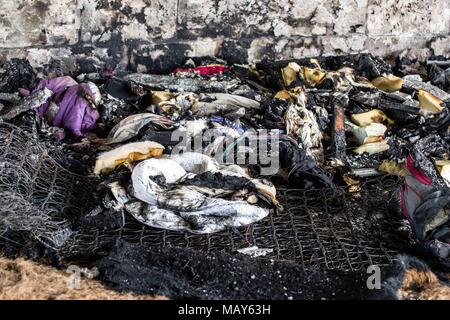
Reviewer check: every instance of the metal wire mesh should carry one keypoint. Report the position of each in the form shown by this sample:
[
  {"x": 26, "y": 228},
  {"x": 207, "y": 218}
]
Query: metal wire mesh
[
  {"x": 317, "y": 229},
  {"x": 36, "y": 193}
]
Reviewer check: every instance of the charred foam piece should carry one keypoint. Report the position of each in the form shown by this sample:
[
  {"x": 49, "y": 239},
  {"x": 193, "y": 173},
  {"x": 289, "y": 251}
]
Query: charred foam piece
[
  {"x": 371, "y": 133},
  {"x": 392, "y": 101},
  {"x": 388, "y": 83},
  {"x": 401, "y": 112},
  {"x": 439, "y": 122},
  {"x": 371, "y": 99},
  {"x": 339, "y": 144},
  {"x": 443, "y": 167},
  {"x": 372, "y": 148},
  {"x": 429, "y": 104},
  {"x": 369, "y": 117}
]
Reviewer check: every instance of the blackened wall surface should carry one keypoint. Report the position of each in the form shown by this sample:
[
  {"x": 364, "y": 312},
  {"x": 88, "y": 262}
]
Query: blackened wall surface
[{"x": 155, "y": 35}]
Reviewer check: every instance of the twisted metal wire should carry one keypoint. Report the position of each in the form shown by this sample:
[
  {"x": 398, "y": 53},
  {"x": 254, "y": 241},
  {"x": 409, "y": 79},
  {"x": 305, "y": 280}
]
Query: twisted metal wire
[
  {"x": 318, "y": 229},
  {"x": 36, "y": 192}
]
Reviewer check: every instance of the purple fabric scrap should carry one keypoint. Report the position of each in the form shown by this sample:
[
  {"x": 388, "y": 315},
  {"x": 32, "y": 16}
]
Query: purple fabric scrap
[{"x": 75, "y": 113}]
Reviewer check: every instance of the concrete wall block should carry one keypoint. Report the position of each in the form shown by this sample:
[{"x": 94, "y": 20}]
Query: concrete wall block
[
  {"x": 25, "y": 23},
  {"x": 340, "y": 44},
  {"x": 397, "y": 17},
  {"x": 394, "y": 45},
  {"x": 441, "y": 45},
  {"x": 157, "y": 35},
  {"x": 281, "y": 18},
  {"x": 133, "y": 19}
]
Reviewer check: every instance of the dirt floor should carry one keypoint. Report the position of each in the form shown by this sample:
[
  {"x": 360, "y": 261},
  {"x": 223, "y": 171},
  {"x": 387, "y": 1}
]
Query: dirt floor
[{"x": 25, "y": 280}]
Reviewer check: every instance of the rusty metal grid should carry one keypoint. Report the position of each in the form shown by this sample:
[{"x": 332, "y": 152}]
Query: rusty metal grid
[
  {"x": 36, "y": 192},
  {"x": 317, "y": 229}
]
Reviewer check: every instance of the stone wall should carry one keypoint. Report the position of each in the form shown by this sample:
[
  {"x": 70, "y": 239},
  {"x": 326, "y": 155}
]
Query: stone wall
[{"x": 155, "y": 35}]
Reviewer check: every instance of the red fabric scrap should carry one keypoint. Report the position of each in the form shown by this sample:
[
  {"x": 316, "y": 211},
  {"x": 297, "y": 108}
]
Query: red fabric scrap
[
  {"x": 417, "y": 173},
  {"x": 208, "y": 70}
]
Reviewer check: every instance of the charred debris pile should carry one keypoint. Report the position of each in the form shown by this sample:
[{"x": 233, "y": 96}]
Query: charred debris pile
[{"x": 286, "y": 159}]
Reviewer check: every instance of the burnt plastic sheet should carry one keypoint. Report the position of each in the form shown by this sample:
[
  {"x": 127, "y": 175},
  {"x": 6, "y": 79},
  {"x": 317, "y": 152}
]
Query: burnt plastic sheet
[{"x": 317, "y": 229}]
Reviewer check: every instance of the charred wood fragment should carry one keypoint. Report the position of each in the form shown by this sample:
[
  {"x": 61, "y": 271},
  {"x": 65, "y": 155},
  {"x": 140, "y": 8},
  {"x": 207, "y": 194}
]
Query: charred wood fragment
[{"x": 338, "y": 143}]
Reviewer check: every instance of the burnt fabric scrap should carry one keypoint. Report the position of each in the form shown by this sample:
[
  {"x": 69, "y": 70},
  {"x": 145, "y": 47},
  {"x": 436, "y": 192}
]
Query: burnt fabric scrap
[
  {"x": 126, "y": 154},
  {"x": 425, "y": 199},
  {"x": 72, "y": 106},
  {"x": 192, "y": 192},
  {"x": 130, "y": 127},
  {"x": 207, "y": 70}
]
